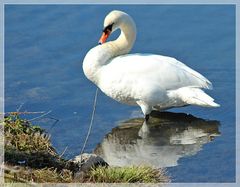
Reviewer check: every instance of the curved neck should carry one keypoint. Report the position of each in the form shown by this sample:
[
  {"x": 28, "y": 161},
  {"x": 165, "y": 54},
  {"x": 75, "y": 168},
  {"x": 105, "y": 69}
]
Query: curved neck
[
  {"x": 124, "y": 43},
  {"x": 101, "y": 55}
]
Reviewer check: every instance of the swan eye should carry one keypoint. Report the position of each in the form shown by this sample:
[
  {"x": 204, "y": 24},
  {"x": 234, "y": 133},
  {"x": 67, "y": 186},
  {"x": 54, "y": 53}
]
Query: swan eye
[{"x": 108, "y": 28}]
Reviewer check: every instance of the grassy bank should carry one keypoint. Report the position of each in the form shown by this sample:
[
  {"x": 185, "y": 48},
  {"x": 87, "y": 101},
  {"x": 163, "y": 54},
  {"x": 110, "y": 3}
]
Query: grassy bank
[{"x": 30, "y": 157}]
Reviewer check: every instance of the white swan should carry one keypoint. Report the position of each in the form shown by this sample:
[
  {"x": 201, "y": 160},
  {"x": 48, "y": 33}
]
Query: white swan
[{"x": 148, "y": 80}]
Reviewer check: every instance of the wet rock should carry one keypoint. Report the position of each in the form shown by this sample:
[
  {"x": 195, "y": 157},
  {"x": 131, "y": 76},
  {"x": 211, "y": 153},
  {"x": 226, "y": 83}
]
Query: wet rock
[{"x": 87, "y": 161}]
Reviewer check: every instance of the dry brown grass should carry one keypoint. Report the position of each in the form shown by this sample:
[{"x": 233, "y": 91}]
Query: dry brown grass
[
  {"x": 30, "y": 157},
  {"x": 28, "y": 148}
]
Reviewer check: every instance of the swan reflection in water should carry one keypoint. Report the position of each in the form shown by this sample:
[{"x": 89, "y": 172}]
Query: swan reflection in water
[{"x": 161, "y": 143}]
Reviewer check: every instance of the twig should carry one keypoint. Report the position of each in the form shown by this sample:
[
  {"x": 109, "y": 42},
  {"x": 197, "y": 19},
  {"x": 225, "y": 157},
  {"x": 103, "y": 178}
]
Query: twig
[
  {"x": 40, "y": 116},
  {"x": 63, "y": 151},
  {"x": 19, "y": 108},
  {"x": 19, "y": 113},
  {"x": 56, "y": 121},
  {"x": 90, "y": 126}
]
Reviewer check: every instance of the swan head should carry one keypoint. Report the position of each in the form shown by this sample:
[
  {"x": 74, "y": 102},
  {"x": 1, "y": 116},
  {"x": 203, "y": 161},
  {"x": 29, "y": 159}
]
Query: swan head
[{"x": 114, "y": 20}]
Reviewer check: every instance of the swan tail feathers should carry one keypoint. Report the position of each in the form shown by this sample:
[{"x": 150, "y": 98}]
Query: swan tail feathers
[{"x": 196, "y": 96}]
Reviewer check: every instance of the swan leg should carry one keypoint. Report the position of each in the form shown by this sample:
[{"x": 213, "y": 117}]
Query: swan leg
[
  {"x": 146, "y": 109},
  {"x": 144, "y": 130},
  {"x": 146, "y": 117}
]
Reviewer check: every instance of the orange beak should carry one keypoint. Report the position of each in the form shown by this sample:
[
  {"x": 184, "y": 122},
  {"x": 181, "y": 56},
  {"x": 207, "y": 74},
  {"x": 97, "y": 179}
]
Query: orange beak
[{"x": 104, "y": 36}]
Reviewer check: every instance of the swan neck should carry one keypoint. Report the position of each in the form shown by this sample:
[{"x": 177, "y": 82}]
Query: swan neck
[
  {"x": 102, "y": 55},
  {"x": 124, "y": 43}
]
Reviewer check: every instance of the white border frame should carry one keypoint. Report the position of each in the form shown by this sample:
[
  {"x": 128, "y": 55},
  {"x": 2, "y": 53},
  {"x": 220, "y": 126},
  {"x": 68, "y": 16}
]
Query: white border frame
[{"x": 233, "y": 2}]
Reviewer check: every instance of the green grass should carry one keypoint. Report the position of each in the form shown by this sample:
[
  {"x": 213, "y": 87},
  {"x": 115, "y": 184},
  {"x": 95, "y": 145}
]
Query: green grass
[
  {"x": 132, "y": 174},
  {"x": 30, "y": 157},
  {"x": 28, "y": 148},
  {"x": 24, "y": 136},
  {"x": 28, "y": 143}
]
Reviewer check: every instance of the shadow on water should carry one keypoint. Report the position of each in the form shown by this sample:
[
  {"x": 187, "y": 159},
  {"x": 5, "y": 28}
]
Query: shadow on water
[{"x": 161, "y": 143}]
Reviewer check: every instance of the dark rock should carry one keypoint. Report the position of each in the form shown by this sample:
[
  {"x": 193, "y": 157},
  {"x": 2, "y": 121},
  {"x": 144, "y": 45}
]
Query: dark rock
[{"x": 87, "y": 161}]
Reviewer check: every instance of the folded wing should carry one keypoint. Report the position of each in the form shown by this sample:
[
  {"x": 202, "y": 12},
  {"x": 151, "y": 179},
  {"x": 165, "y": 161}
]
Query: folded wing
[{"x": 167, "y": 72}]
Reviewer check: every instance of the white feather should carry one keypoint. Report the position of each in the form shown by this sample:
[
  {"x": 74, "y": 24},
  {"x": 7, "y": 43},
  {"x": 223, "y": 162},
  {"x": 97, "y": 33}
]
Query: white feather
[{"x": 148, "y": 80}]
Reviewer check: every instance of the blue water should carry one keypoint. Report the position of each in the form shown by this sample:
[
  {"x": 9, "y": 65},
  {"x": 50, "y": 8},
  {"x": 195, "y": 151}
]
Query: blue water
[{"x": 44, "y": 49}]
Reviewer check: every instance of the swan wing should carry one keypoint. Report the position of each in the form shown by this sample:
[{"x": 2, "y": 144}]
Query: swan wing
[{"x": 167, "y": 72}]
